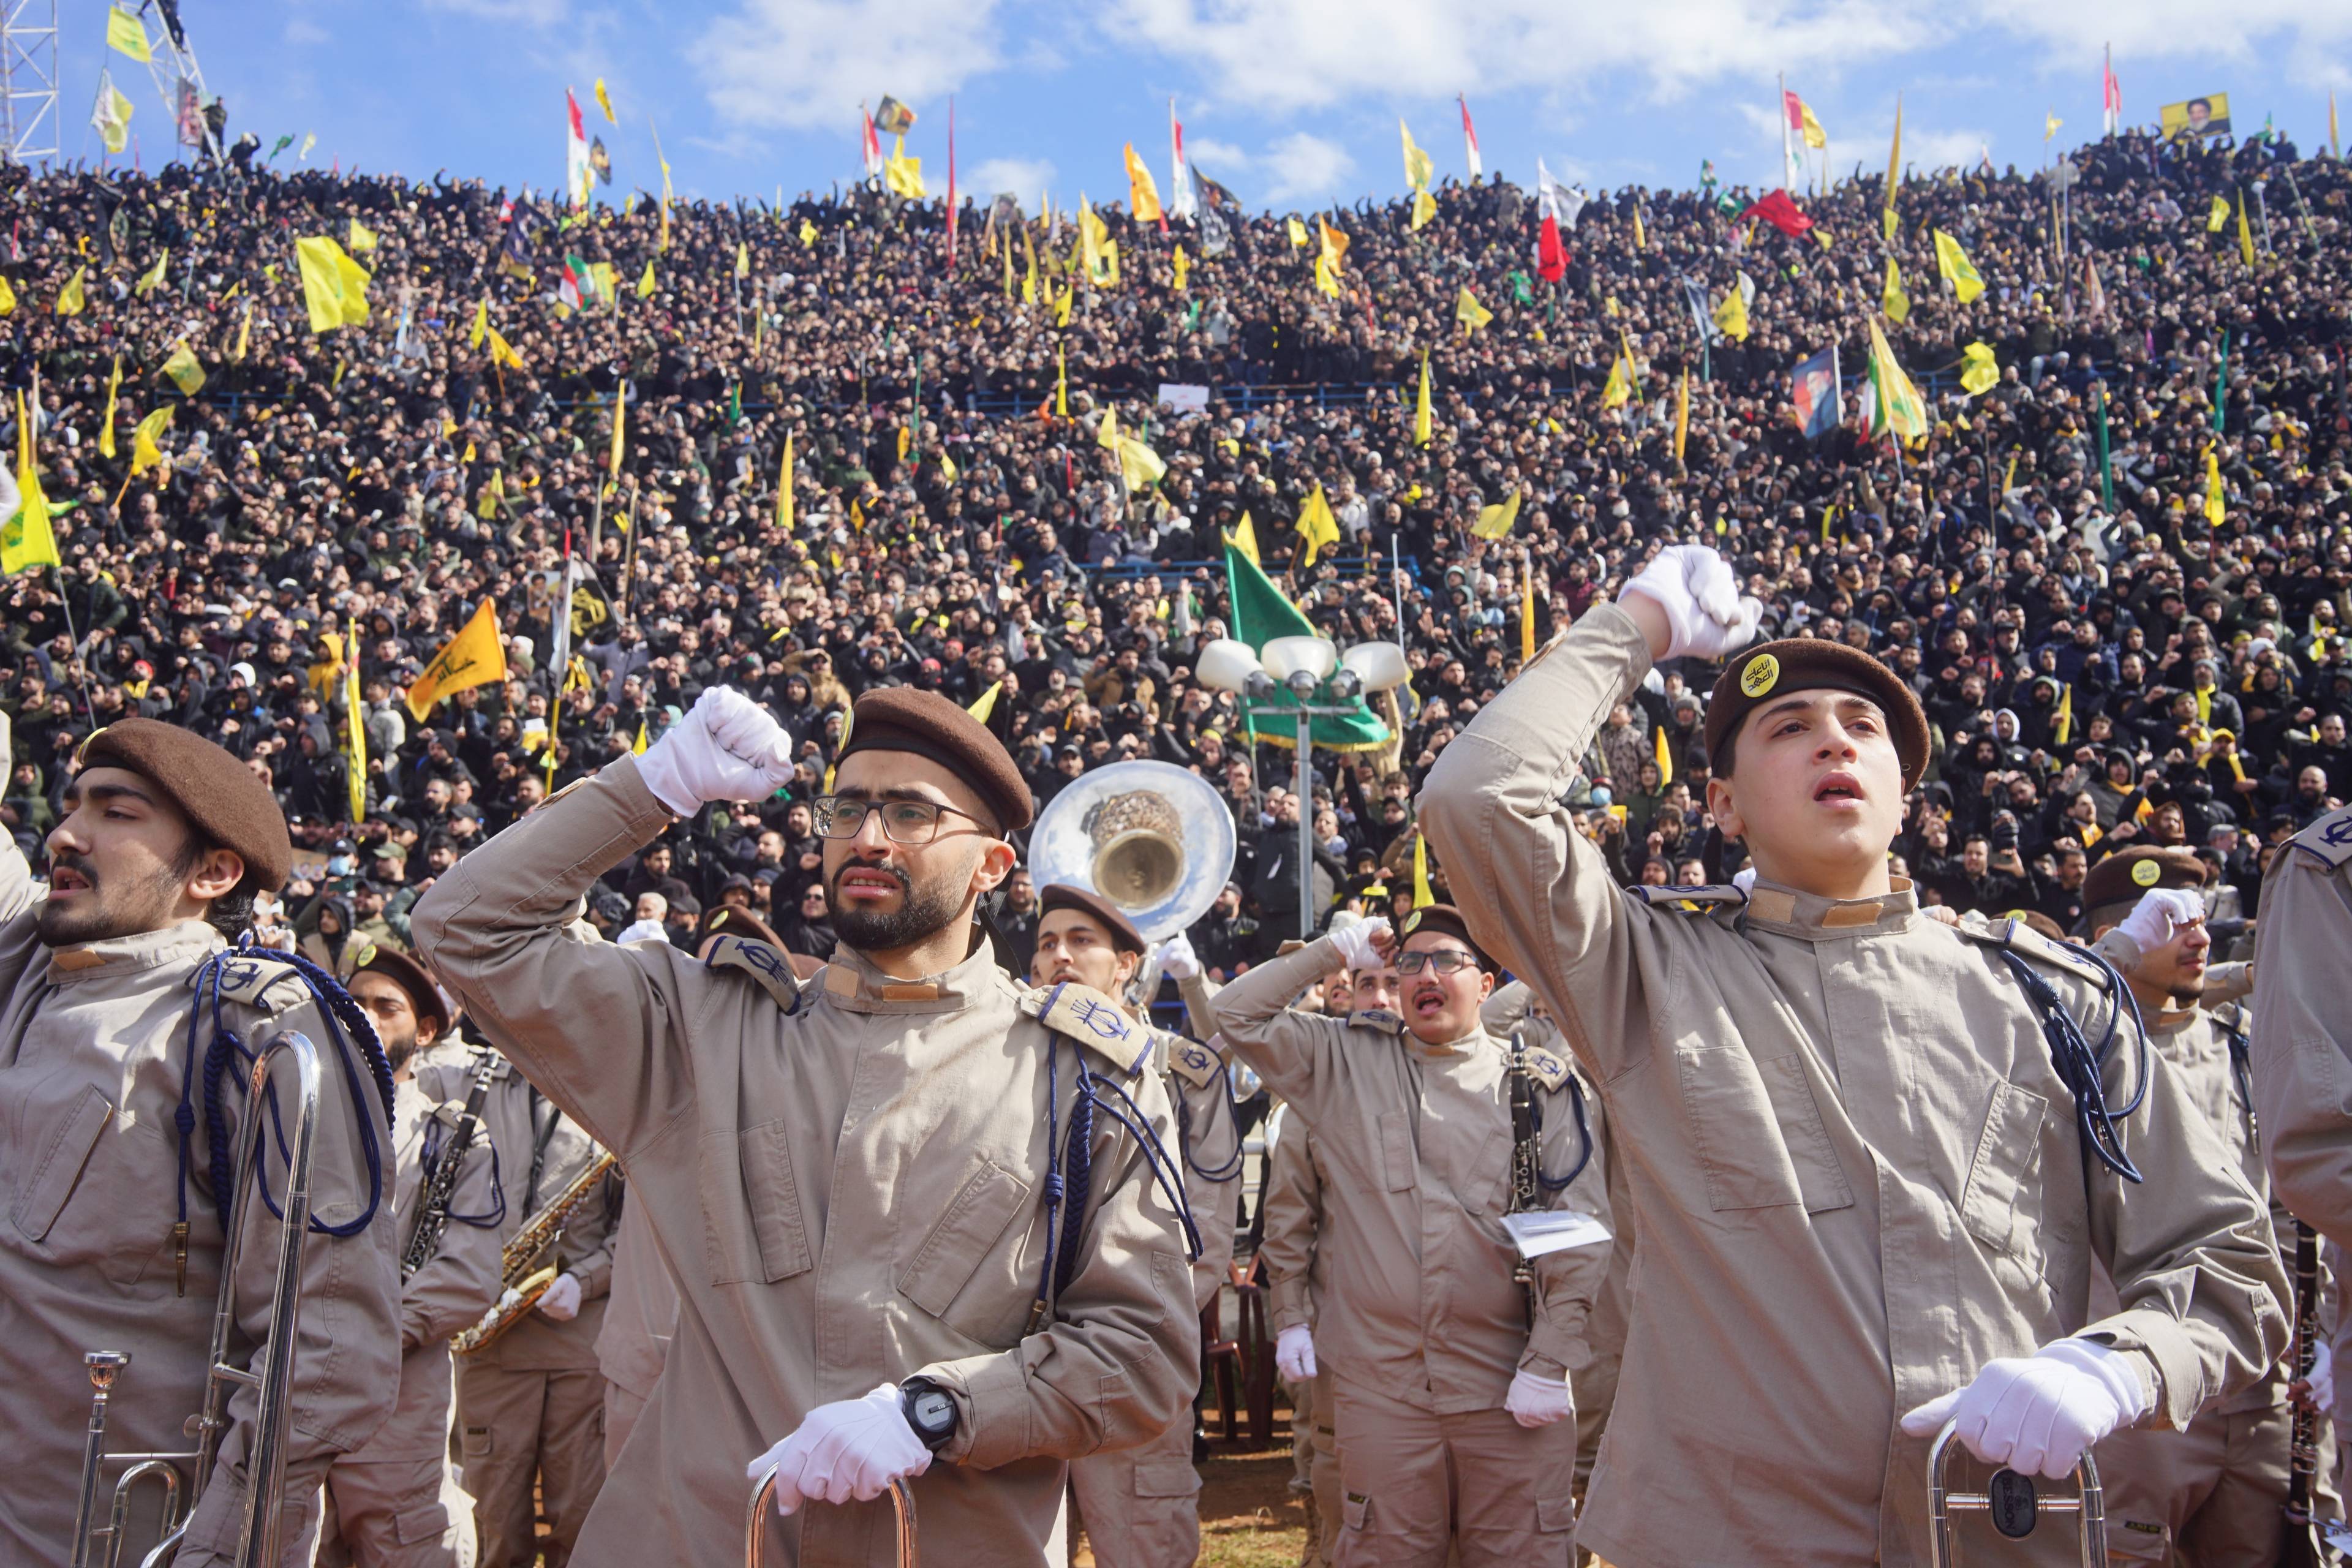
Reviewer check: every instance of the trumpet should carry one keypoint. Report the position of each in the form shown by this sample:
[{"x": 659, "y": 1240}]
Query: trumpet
[
  {"x": 755, "y": 1534},
  {"x": 523, "y": 1277},
  {"x": 272, "y": 1377}
]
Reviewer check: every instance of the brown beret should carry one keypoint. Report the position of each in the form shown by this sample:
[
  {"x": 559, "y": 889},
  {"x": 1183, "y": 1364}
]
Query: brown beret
[
  {"x": 1095, "y": 908},
  {"x": 2123, "y": 877},
  {"x": 905, "y": 718},
  {"x": 1813, "y": 664},
  {"x": 1444, "y": 919},
  {"x": 728, "y": 920},
  {"x": 213, "y": 791},
  {"x": 373, "y": 958}
]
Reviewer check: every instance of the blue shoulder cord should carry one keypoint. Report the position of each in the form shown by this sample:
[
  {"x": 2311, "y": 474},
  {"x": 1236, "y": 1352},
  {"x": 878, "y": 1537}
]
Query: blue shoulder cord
[
  {"x": 1231, "y": 1168},
  {"x": 340, "y": 1013},
  {"x": 434, "y": 1143},
  {"x": 1072, "y": 1152},
  {"x": 2079, "y": 1063},
  {"x": 2241, "y": 1071},
  {"x": 1583, "y": 1135}
]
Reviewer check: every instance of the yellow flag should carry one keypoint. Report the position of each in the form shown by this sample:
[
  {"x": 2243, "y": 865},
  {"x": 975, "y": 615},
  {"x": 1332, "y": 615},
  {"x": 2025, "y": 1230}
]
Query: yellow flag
[
  {"x": 1334, "y": 245},
  {"x": 334, "y": 287},
  {"x": 1243, "y": 538},
  {"x": 1327, "y": 276},
  {"x": 1979, "y": 371},
  {"x": 903, "y": 175},
  {"x": 1731, "y": 315},
  {"x": 1029, "y": 277},
  {"x": 1469, "y": 313},
  {"x": 1297, "y": 232},
  {"x": 111, "y": 115},
  {"x": 472, "y": 657},
  {"x": 785, "y": 488},
  {"x": 1894, "y": 301},
  {"x": 2064, "y": 723},
  {"x": 1143, "y": 197},
  {"x": 25, "y": 538},
  {"x": 1422, "y": 897},
  {"x": 808, "y": 234},
  {"x": 2216, "y": 506},
  {"x": 1618, "y": 390},
  {"x": 7, "y": 298},
  {"x": 1061, "y": 382},
  {"x": 1814, "y": 134},
  {"x": 1953, "y": 264},
  {"x": 145, "y": 453},
  {"x": 1425, "y": 208},
  {"x": 481, "y": 323},
  {"x": 2050, "y": 124},
  {"x": 2219, "y": 216},
  {"x": 106, "y": 425},
  {"x": 124, "y": 34},
  {"x": 183, "y": 371},
  {"x": 1318, "y": 528},
  {"x": 1418, "y": 171},
  {"x": 1421, "y": 428},
  {"x": 1494, "y": 522},
  {"x": 1178, "y": 263},
  {"x": 984, "y": 705},
  {"x": 152, "y": 279},
  {"x": 493, "y": 494},
  {"x": 1664, "y": 750},
  {"x": 638, "y": 746},
  {"x": 742, "y": 259},
  {"x": 1527, "y": 617},
  {"x": 244, "y": 334},
  {"x": 2245, "y": 234},
  {"x": 69, "y": 298},
  {"x": 1894, "y": 173},
  {"x": 605, "y": 103},
  {"x": 1641, "y": 240},
  {"x": 620, "y": 425},
  {"x": 646, "y": 280},
  {"x": 1892, "y": 402},
  {"x": 361, "y": 237},
  {"x": 1682, "y": 412},
  {"x": 501, "y": 354}
]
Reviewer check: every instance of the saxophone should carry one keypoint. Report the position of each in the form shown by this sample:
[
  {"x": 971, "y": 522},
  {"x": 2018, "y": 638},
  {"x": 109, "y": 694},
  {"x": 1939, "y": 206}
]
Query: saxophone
[{"x": 523, "y": 1272}]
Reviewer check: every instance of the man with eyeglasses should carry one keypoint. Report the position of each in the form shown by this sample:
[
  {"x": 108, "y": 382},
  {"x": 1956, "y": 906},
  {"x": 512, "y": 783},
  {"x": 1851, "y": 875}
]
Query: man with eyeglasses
[
  {"x": 913, "y": 1207},
  {"x": 1453, "y": 1414},
  {"x": 1141, "y": 1506}
]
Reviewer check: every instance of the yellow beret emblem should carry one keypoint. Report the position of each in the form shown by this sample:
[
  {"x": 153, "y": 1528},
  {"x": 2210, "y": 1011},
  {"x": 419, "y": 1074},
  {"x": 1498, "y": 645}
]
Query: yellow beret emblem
[
  {"x": 364, "y": 956},
  {"x": 1762, "y": 674},
  {"x": 1412, "y": 922},
  {"x": 2146, "y": 872}
]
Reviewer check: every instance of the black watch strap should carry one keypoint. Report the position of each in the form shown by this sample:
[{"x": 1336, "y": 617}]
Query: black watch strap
[{"x": 930, "y": 1410}]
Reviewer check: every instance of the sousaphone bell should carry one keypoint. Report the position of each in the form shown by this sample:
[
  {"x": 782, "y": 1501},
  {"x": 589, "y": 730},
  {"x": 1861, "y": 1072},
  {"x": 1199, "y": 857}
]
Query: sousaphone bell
[{"x": 1154, "y": 841}]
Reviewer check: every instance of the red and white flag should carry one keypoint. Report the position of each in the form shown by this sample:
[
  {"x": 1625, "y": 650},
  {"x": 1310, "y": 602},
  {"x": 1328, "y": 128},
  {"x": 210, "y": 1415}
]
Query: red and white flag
[
  {"x": 2111, "y": 93},
  {"x": 870, "y": 145},
  {"x": 1182, "y": 203},
  {"x": 1559, "y": 207},
  {"x": 1469, "y": 139},
  {"x": 577, "y": 174}
]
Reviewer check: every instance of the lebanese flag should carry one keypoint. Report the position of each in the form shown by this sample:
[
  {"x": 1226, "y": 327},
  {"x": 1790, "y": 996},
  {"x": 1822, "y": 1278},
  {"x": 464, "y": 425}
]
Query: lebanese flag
[
  {"x": 1469, "y": 138},
  {"x": 1780, "y": 212},
  {"x": 2111, "y": 93},
  {"x": 870, "y": 145},
  {"x": 1184, "y": 205},
  {"x": 576, "y": 171},
  {"x": 1551, "y": 255}
]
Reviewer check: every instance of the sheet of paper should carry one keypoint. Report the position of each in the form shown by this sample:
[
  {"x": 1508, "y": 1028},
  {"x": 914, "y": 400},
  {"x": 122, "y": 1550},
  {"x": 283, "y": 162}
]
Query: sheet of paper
[{"x": 1553, "y": 1230}]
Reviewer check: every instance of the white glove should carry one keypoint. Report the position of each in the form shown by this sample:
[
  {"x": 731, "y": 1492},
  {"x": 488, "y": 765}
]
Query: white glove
[
  {"x": 1293, "y": 1353},
  {"x": 1744, "y": 879},
  {"x": 852, "y": 1448},
  {"x": 2039, "y": 1414},
  {"x": 1176, "y": 958},
  {"x": 644, "y": 931},
  {"x": 559, "y": 1302},
  {"x": 725, "y": 748},
  {"x": 1705, "y": 612},
  {"x": 1353, "y": 944},
  {"x": 2159, "y": 914},
  {"x": 1538, "y": 1401},
  {"x": 2321, "y": 1380}
]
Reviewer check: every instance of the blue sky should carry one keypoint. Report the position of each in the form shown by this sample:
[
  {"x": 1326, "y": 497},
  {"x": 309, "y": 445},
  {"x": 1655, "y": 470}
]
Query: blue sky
[{"x": 1291, "y": 102}]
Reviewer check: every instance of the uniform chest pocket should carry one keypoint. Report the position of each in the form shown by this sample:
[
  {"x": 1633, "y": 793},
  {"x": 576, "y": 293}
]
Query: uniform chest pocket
[
  {"x": 1400, "y": 1167},
  {"x": 1759, "y": 1131},
  {"x": 42, "y": 1189},
  {"x": 942, "y": 1273},
  {"x": 751, "y": 1222},
  {"x": 1995, "y": 1204}
]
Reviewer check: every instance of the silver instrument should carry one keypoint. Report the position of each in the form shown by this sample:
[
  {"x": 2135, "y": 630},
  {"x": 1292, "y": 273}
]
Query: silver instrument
[
  {"x": 755, "y": 1532},
  {"x": 1156, "y": 841},
  {"x": 183, "y": 1477},
  {"x": 2013, "y": 1503}
]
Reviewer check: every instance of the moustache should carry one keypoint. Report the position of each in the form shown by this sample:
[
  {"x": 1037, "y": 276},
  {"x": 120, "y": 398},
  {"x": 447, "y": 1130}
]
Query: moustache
[{"x": 898, "y": 874}]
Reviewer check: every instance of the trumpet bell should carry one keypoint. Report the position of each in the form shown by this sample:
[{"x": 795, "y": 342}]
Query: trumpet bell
[{"x": 1154, "y": 841}]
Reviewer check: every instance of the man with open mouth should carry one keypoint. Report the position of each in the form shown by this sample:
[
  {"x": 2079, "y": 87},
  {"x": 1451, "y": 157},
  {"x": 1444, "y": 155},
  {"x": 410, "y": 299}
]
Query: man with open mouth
[{"x": 1877, "y": 1158}]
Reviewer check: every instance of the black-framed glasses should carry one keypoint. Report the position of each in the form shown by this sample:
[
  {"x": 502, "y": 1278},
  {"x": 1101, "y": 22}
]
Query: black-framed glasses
[
  {"x": 910, "y": 823},
  {"x": 1444, "y": 961}
]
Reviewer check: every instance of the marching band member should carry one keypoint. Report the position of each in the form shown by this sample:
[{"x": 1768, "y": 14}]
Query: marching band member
[{"x": 2302, "y": 1041}]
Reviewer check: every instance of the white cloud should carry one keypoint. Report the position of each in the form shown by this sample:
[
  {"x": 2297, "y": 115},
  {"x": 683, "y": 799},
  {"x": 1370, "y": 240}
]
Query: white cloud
[
  {"x": 1303, "y": 166},
  {"x": 1213, "y": 155},
  {"x": 1025, "y": 178},
  {"x": 2077, "y": 31},
  {"x": 808, "y": 63},
  {"x": 302, "y": 30},
  {"x": 529, "y": 13}
]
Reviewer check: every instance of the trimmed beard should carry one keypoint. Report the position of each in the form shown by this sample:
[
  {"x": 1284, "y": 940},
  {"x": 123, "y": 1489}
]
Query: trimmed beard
[
  {"x": 922, "y": 912},
  {"x": 140, "y": 909}
]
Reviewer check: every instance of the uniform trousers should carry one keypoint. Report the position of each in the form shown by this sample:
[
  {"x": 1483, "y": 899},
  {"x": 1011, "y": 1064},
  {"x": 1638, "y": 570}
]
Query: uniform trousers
[
  {"x": 1414, "y": 1483},
  {"x": 518, "y": 1424},
  {"x": 394, "y": 1513},
  {"x": 2207, "y": 1496},
  {"x": 621, "y": 1408},
  {"x": 1141, "y": 1507}
]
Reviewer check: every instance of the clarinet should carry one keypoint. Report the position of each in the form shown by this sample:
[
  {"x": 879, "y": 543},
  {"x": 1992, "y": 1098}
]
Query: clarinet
[
  {"x": 1527, "y": 1158},
  {"x": 2303, "y": 1460},
  {"x": 441, "y": 1183}
]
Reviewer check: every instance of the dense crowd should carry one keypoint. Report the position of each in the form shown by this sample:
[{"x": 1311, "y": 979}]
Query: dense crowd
[{"x": 2102, "y": 663}]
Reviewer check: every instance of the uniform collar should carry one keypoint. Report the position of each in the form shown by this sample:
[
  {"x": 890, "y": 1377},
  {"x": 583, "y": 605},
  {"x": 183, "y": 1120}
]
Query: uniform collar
[
  {"x": 855, "y": 985},
  {"x": 1465, "y": 1046},
  {"x": 184, "y": 942},
  {"x": 1774, "y": 908}
]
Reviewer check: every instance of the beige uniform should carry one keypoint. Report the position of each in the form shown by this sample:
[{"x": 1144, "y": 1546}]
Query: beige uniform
[
  {"x": 385, "y": 1505},
  {"x": 93, "y": 1053},
  {"x": 2302, "y": 1038},
  {"x": 1857, "y": 1174},
  {"x": 848, "y": 1193},
  {"x": 530, "y": 1405},
  {"x": 1141, "y": 1508},
  {"x": 640, "y": 1317},
  {"x": 1296, "y": 1279},
  {"x": 1423, "y": 1324}
]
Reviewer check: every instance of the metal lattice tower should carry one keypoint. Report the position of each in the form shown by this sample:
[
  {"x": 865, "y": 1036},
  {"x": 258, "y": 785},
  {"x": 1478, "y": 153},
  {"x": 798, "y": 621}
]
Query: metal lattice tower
[
  {"x": 28, "y": 80},
  {"x": 177, "y": 77}
]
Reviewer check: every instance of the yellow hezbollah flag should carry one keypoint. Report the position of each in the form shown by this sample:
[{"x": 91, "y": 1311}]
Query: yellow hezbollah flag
[
  {"x": 1178, "y": 263},
  {"x": 1682, "y": 414},
  {"x": 1420, "y": 407},
  {"x": 605, "y": 103},
  {"x": 1243, "y": 538},
  {"x": 646, "y": 283},
  {"x": 1979, "y": 371},
  {"x": 152, "y": 279},
  {"x": 183, "y": 371},
  {"x": 1665, "y": 752},
  {"x": 106, "y": 425},
  {"x": 1418, "y": 171},
  {"x": 1953, "y": 263},
  {"x": 2216, "y": 507},
  {"x": 1143, "y": 197},
  {"x": 145, "y": 453},
  {"x": 2064, "y": 723},
  {"x": 1618, "y": 390},
  {"x": 2219, "y": 216},
  {"x": 902, "y": 174},
  {"x": 784, "y": 487},
  {"x": 1894, "y": 172},
  {"x": 1334, "y": 246},
  {"x": 1527, "y": 615},
  {"x": 27, "y": 539},
  {"x": 361, "y": 237},
  {"x": 1494, "y": 521},
  {"x": 1893, "y": 403},
  {"x": 2245, "y": 235},
  {"x": 124, "y": 34},
  {"x": 1421, "y": 896},
  {"x": 481, "y": 323},
  {"x": 1731, "y": 315},
  {"x": 1425, "y": 208},
  {"x": 472, "y": 657},
  {"x": 1469, "y": 313},
  {"x": 355, "y": 724},
  {"x": 1318, "y": 528},
  {"x": 620, "y": 425},
  {"x": 1297, "y": 232},
  {"x": 8, "y": 298},
  {"x": 1893, "y": 300},
  {"x": 983, "y": 706},
  {"x": 69, "y": 298},
  {"x": 334, "y": 287},
  {"x": 501, "y": 354}
]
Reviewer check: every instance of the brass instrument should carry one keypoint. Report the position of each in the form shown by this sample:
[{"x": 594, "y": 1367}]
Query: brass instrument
[
  {"x": 2013, "y": 1502},
  {"x": 433, "y": 1203},
  {"x": 272, "y": 1377},
  {"x": 1152, "y": 838},
  {"x": 755, "y": 1534},
  {"x": 1526, "y": 1159},
  {"x": 522, "y": 1273}
]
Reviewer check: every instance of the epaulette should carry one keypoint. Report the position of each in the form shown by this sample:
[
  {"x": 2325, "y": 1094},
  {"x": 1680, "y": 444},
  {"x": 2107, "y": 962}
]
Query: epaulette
[
  {"x": 1546, "y": 1068},
  {"x": 2019, "y": 937},
  {"x": 1091, "y": 1018},
  {"x": 1379, "y": 1018},
  {"x": 1191, "y": 1060},
  {"x": 2330, "y": 837},
  {"x": 449, "y": 1113},
  {"x": 762, "y": 963},
  {"x": 258, "y": 981},
  {"x": 1690, "y": 900}
]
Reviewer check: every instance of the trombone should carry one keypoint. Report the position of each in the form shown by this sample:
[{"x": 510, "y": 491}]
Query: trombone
[
  {"x": 755, "y": 1534},
  {"x": 2013, "y": 1504},
  {"x": 100, "y": 1545}
]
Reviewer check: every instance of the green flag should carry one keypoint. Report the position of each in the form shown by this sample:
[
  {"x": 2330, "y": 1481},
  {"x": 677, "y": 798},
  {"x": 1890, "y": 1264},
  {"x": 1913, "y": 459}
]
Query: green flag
[
  {"x": 2106, "y": 461},
  {"x": 1261, "y": 614},
  {"x": 2221, "y": 382}
]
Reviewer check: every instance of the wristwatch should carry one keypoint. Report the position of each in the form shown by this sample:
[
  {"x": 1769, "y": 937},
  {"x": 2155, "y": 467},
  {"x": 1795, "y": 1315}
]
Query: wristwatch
[{"x": 930, "y": 1409}]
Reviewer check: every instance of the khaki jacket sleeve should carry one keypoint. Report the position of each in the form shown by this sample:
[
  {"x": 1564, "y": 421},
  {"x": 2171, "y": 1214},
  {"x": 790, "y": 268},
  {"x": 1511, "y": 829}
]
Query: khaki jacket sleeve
[
  {"x": 1569, "y": 1281},
  {"x": 601, "y": 1028},
  {"x": 1546, "y": 905},
  {"x": 461, "y": 1282},
  {"x": 1293, "y": 1204},
  {"x": 347, "y": 1336},
  {"x": 1287, "y": 1048},
  {"x": 2302, "y": 1041},
  {"x": 1200, "y": 994},
  {"x": 1120, "y": 1356}
]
